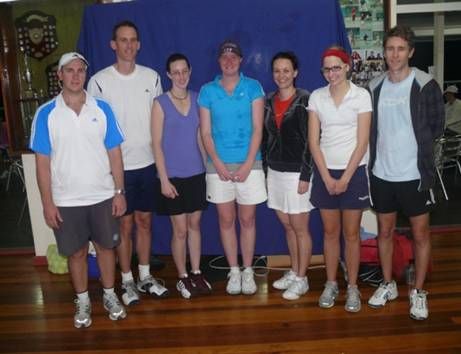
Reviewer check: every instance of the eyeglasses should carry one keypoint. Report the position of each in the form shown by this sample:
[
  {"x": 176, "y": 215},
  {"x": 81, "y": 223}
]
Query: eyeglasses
[{"x": 333, "y": 69}]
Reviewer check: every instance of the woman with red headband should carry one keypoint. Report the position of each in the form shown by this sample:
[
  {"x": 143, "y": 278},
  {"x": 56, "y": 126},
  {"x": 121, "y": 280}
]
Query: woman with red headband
[{"x": 339, "y": 124}]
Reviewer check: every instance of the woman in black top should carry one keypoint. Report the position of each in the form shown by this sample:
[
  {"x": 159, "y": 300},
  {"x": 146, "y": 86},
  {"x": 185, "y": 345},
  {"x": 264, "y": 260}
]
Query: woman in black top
[{"x": 288, "y": 163}]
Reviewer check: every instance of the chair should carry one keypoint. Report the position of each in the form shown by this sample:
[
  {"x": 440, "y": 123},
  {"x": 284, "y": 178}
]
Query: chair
[
  {"x": 447, "y": 155},
  {"x": 15, "y": 168}
]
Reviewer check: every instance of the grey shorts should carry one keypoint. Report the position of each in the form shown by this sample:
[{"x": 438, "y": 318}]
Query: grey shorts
[{"x": 87, "y": 223}]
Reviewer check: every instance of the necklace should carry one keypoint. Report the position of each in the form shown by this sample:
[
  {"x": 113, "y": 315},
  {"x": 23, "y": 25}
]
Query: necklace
[{"x": 179, "y": 98}]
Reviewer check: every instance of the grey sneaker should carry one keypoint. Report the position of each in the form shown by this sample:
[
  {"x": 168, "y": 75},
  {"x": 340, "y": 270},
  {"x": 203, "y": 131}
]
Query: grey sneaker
[
  {"x": 284, "y": 282},
  {"x": 130, "y": 294},
  {"x": 248, "y": 282},
  {"x": 113, "y": 306},
  {"x": 329, "y": 294},
  {"x": 151, "y": 286},
  {"x": 82, "y": 317},
  {"x": 353, "y": 302},
  {"x": 418, "y": 305}
]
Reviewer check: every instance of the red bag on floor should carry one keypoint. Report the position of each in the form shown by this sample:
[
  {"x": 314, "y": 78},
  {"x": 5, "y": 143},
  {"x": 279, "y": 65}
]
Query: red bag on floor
[
  {"x": 402, "y": 256},
  {"x": 369, "y": 253}
]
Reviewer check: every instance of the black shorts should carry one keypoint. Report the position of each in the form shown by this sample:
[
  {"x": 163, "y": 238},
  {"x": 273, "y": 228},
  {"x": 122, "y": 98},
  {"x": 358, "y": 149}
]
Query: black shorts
[
  {"x": 389, "y": 197},
  {"x": 87, "y": 223},
  {"x": 140, "y": 186},
  {"x": 192, "y": 196}
]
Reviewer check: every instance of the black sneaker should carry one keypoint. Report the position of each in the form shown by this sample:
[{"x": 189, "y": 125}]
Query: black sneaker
[{"x": 202, "y": 285}]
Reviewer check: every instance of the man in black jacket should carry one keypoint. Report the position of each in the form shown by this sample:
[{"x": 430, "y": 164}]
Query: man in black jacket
[{"x": 408, "y": 115}]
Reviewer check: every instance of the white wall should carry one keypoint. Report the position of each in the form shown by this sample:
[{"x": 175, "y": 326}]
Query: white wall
[{"x": 43, "y": 235}]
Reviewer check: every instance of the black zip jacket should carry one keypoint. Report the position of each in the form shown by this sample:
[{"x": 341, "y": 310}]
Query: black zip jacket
[
  {"x": 286, "y": 149},
  {"x": 428, "y": 119}
]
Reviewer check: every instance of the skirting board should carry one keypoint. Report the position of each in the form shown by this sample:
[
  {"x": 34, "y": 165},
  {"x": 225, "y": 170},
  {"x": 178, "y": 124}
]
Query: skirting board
[{"x": 284, "y": 260}]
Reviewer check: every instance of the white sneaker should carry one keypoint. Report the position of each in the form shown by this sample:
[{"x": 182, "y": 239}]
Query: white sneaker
[
  {"x": 151, "y": 286},
  {"x": 385, "y": 292},
  {"x": 248, "y": 282},
  {"x": 284, "y": 282},
  {"x": 113, "y": 307},
  {"x": 130, "y": 294},
  {"x": 298, "y": 287},
  {"x": 418, "y": 305},
  {"x": 234, "y": 284},
  {"x": 82, "y": 317}
]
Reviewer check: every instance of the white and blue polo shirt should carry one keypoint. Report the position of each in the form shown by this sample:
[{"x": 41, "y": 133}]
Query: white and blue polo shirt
[
  {"x": 77, "y": 146},
  {"x": 231, "y": 117}
]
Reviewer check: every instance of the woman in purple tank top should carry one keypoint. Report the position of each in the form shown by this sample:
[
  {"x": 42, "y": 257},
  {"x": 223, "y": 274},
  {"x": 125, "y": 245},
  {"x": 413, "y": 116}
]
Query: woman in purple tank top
[{"x": 179, "y": 157}]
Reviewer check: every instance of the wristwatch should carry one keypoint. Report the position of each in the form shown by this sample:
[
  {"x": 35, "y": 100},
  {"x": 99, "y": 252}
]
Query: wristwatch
[{"x": 119, "y": 191}]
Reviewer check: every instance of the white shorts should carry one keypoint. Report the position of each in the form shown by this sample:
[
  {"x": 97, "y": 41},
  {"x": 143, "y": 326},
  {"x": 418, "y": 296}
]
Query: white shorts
[
  {"x": 282, "y": 190},
  {"x": 250, "y": 192}
]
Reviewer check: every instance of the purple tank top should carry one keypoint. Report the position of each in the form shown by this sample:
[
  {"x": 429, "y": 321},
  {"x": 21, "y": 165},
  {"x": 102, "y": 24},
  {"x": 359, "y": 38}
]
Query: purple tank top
[{"x": 179, "y": 140}]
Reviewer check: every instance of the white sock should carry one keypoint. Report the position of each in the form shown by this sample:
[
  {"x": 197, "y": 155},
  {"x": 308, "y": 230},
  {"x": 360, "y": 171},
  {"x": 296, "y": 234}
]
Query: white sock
[
  {"x": 248, "y": 269},
  {"x": 195, "y": 272},
  {"x": 144, "y": 271},
  {"x": 126, "y": 277},
  {"x": 108, "y": 291},
  {"x": 235, "y": 269},
  {"x": 83, "y": 297}
]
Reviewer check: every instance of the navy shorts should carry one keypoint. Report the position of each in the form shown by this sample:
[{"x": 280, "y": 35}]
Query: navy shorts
[
  {"x": 140, "y": 186},
  {"x": 87, "y": 223},
  {"x": 357, "y": 195},
  {"x": 390, "y": 197}
]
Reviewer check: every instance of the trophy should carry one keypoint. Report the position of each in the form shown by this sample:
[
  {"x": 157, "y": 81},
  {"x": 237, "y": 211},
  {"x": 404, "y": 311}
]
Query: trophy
[{"x": 29, "y": 99}]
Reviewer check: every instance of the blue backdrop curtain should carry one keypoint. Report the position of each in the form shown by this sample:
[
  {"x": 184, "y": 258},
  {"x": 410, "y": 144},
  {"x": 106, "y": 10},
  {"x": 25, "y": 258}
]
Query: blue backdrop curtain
[{"x": 196, "y": 28}]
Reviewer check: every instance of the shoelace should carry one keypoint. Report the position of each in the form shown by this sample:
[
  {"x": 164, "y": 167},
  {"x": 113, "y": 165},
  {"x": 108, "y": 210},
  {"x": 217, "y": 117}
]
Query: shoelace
[
  {"x": 296, "y": 287},
  {"x": 112, "y": 301},
  {"x": 129, "y": 288},
  {"x": 419, "y": 301},
  {"x": 382, "y": 291},
  {"x": 82, "y": 309},
  {"x": 353, "y": 294},
  {"x": 234, "y": 277},
  {"x": 329, "y": 290}
]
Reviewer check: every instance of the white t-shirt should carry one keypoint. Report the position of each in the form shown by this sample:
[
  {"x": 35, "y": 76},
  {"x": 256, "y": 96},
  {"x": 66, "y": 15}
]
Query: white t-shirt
[
  {"x": 131, "y": 96},
  {"x": 338, "y": 125},
  {"x": 77, "y": 147},
  {"x": 396, "y": 146}
]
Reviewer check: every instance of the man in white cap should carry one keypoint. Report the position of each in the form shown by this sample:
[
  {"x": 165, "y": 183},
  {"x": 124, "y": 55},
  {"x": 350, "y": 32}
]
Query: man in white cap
[
  {"x": 76, "y": 141},
  {"x": 452, "y": 111},
  {"x": 130, "y": 88}
]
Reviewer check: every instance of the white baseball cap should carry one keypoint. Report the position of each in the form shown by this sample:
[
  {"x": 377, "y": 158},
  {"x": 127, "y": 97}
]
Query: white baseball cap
[
  {"x": 452, "y": 89},
  {"x": 68, "y": 57}
]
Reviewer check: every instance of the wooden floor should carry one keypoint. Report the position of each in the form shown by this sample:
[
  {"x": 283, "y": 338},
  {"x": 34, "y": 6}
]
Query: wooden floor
[{"x": 36, "y": 312}]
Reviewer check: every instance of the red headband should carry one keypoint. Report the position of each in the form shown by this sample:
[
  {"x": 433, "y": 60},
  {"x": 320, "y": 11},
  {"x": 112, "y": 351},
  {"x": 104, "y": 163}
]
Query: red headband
[{"x": 341, "y": 54}]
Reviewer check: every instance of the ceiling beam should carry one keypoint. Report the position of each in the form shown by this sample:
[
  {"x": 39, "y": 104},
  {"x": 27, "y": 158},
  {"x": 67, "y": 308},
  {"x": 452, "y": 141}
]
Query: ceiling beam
[{"x": 433, "y": 7}]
